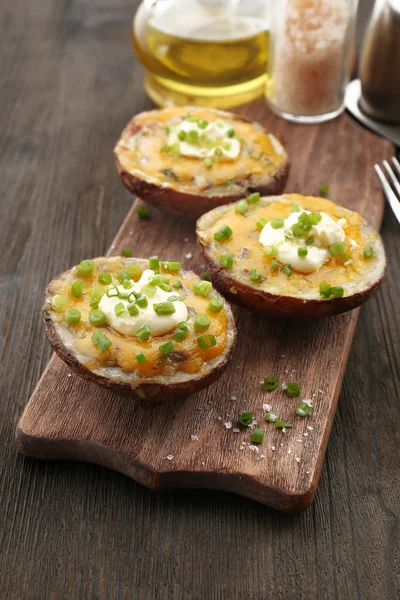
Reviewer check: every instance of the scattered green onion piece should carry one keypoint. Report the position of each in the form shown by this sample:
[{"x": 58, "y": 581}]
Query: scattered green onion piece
[
  {"x": 133, "y": 296},
  {"x": 253, "y": 198},
  {"x": 338, "y": 250},
  {"x": 215, "y": 305},
  {"x": 293, "y": 389},
  {"x": 202, "y": 124},
  {"x": 297, "y": 229},
  {"x": 96, "y": 292},
  {"x": 142, "y": 301},
  {"x": 122, "y": 275},
  {"x": 127, "y": 253},
  {"x": 143, "y": 333},
  {"x": 309, "y": 240},
  {"x": 288, "y": 233},
  {"x": 323, "y": 190},
  {"x": 302, "y": 252},
  {"x": 59, "y": 303},
  {"x": 271, "y": 383},
  {"x": 154, "y": 262},
  {"x": 315, "y": 218},
  {"x": 94, "y": 303},
  {"x": 105, "y": 278},
  {"x": 271, "y": 250},
  {"x": 369, "y": 252},
  {"x": 302, "y": 409},
  {"x": 183, "y": 325},
  {"x": 173, "y": 266},
  {"x": 132, "y": 310},
  {"x": 164, "y": 308},
  {"x": 192, "y": 135},
  {"x": 231, "y": 132},
  {"x": 165, "y": 287},
  {"x": 149, "y": 291},
  {"x": 158, "y": 280},
  {"x": 261, "y": 224},
  {"x": 270, "y": 417},
  {"x": 97, "y": 318},
  {"x": 175, "y": 298},
  {"x": 202, "y": 322},
  {"x": 167, "y": 347},
  {"x": 72, "y": 316},
  {"x": 140, "y": 357},
  {"x": 207, "y": 341},
  {"x": 241, "y": 207},
  {"x": 223, "y": 234},
  {"x": 254, "y": 276},
  {"x": 119, "y": 308},
  {"x": 165, "y": 148},
  {"x": 206, "y": 276},
  {"x": 295, "y": 208},
  {"x": 337, "y": 291},
  {"x": 226, "y": 145},
  {"x": 182, "y": 135},
  {"x": 324, "y": 289},
  {"x": 274, "y": 265},
  {"x": 286, "y": 269},
  {"x": 202, "y": 288},
  {"x": 226, "y": 260},
  {"x": 218, "y": 152},
  {"x": 76, "y": 289},
  {"x": 179, "y": 334},
  {"x": 86, "y": 267},
  {"x": 246, "y": 418},
  {"x": 258, "y": 436},
  {"x": 279, "y": 424},
  {"x": 127, "y": 284},
  {"x": 304, "y": 221},
  {"x": 277, "y": 222},
  {"x": 142, "y": 211},
  {"x": 208, "y": 162},
  {"x": 191, "y": 119},
  {"x": 134, "y": 271},
  {"x": 177, "y": 284},
  {"x": 112, "y": 291},
  {"x": 101, "y": 341}
]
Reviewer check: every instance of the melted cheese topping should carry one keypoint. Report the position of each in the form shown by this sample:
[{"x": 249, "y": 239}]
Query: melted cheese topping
[
  {"x": 187, "y": 357},
  {"x": 248, "y": 252},
  {"x": 139, "y": 151}
]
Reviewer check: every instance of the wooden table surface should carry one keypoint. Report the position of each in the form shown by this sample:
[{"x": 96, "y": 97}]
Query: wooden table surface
[{"x": 68, "y": 530}]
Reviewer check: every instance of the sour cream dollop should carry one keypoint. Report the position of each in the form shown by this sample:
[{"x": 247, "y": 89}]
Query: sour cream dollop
[
  {"x": 212, "y": 140},
  {"x": 158, "y": 324},
  {"x": 325, "y": 233}
]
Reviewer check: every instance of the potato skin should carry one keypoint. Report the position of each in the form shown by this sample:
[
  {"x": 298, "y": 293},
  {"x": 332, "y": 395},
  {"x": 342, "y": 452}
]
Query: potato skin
[
  {"x": 194, "y": 205},
  {"x": 264, "y": 302},
  {"x": 148, "y": 393}
]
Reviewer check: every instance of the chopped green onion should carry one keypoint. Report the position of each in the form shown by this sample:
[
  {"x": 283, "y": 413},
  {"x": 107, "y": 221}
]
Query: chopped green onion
[
  {"x": 72, "y": 316},
  {"x": 323, "y": 190},
  {"x": 59, "y": 303},
  {"x": 142, "y": 301},
  {"x": 258, "y": 436},
  {"x": 261, "y": 224},
  {"x": 97, "y": 292},
  {"x": 105, "y": 278},
  {"x": 218, "y": 152},
  {"x": 302, "y": 252},
  {"x": 304, "y": 221},
  {"x": 309, "y": 240},
  {"x": 338, "y": 250},
  {"x": 302, "y": 409},
  {"x": 315, "y": 218},
  {"x": 226, "y": 260},
  {"x": 148, "y": 290},
  {"x": 119, "y": 308},
  {"x": 134, "y": 271},
  {"x": 270, "y": 417},
  {"x": 288, "y": 233},
  {"x": 277, "y": 222},
  {"x": 253, "y": 198},
  {"x": 182, "y": 135},
  {"x": 101, "y": 341},
  {"x": 271, "y": 250},
  {"x": 231, "y": 132},
  {"x": 165, "y": 148},
  {"x": 86, "y": 267},
  {"x": 295, "y": 208},
  {"x": 206, "y": 341},
  {"x": 167, "y": 347},
  {"x": 173, "y": 266},
  {"x": 202, "y": 322},
  {"x": 165, "y": 287},
  {"x": 179, "y": 334},
  {"x": 164, "y": 308},
  {"x": 133, "y": 296},
  {"x": 94, "y": 303},
  {"x": 206, "y": 276},
  {"x": 112, "y": 291},
  {"x": 175, "y": 298},
  {"x": 369, "y": 252},
  {"x": 140, "y": 357},
  {"x": 215, "y": 305},
  {"x": 337, "y": 291},
  {"x": 226, "y": 145},
  {"x": 122, "y": 275},
  {"x": 223, "y": 234},
  {"x": 271, "y": 383},
  {"x": 274, "y": 265},
  {"x": 286, "y": 269},
  {"x": 143, "y": 333},
  {"x": 158, "y": 280},
  {"x": 177, "y": 284},
  {"x": 76, "y": 289},
  {"x": 297, "y": 230},
  {"x": 279, "y": 424},
  {"x": 246, "y": 418},
  {"x": 132, "y": 310},
  {"x": 154, "y": 262},
  {"x": 97, "y": 318},
  {"x": 127, "y": 253},
  {"x": 202, "y": 124},
  {"x": 254, "y": 276},
  {"x": 241, "y": 207},
  {"x": 202, "y": 288},
  {"x": 293, "y": 389},
  {"x": 191, "y": 119},
  {"x": 324, "y": 289},
  {"x": 142, "y": 211},
  {"x": 192, "y": 135},
  {"x": 127, "y": 284},
  {"x": 183, "y": 325}
]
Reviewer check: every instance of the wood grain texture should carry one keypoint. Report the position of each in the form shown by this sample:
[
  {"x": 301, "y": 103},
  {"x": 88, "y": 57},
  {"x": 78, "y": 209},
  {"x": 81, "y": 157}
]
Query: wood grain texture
[{"x": 73, "y": 530}]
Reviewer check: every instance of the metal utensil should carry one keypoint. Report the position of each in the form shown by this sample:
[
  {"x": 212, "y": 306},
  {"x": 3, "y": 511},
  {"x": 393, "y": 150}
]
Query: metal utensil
[{"x": 393, "y": 197}]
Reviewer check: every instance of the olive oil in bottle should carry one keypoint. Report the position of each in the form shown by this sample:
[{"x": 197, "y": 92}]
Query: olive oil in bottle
[{"x": 204, "y": 52}]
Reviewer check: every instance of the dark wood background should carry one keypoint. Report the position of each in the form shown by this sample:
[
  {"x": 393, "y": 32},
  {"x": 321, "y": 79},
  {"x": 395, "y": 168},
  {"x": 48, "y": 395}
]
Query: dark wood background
[{"x": 68, "y": 530}]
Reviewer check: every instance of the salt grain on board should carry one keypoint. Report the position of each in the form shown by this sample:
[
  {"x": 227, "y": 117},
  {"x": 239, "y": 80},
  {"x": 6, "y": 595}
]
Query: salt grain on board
[
  {"x": 194, "y": 438},
  {"x": 170, "y": 457},
  {"x": 228, "y": 425},
  {"x": 188, "y": 255}
]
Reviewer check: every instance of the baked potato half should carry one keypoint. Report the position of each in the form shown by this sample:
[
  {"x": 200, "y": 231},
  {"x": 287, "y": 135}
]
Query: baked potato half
[
  {"x": 292, "y": 256},
  {"x": 188, "y": 160},
  {"x": 141, "y": 328}
]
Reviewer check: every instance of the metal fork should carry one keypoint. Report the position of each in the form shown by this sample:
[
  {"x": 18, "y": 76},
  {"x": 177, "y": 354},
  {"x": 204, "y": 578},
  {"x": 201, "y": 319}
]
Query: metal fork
[{"x": 391, "y": 197}]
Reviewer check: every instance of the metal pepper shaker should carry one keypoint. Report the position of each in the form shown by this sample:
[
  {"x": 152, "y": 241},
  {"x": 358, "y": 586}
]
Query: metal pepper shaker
[{"x": 380, "y": 63}]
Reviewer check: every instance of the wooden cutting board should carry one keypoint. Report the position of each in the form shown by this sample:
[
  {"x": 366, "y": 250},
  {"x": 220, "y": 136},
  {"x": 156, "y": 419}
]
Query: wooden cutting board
[{"x": 193, "y": 444}]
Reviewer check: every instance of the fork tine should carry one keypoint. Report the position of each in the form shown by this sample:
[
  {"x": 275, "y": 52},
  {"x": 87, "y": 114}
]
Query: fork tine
[
  {"x": 392, "y": 177},
  {"x": 390, "y": 195},
  {"x": 396, "y": 165}
]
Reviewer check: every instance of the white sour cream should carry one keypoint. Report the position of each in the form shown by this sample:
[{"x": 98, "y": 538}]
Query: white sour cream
[
  {"x": 325, "y": 233},
  {"x": 158, "y": 324},
  {"x": 217, "y": 132}
]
